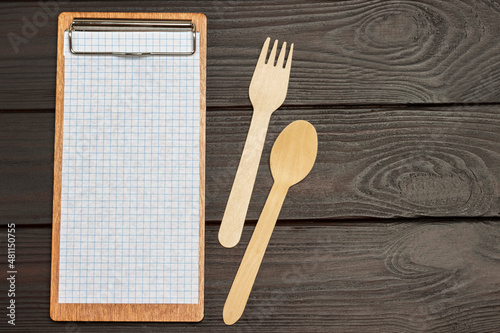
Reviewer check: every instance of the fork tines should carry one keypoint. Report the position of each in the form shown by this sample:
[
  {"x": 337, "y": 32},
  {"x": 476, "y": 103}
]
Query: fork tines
[{"x": 272, "y": 56}]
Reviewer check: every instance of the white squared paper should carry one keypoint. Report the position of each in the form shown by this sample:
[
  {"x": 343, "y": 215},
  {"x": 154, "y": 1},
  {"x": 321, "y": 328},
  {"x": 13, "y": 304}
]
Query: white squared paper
[{"x": 130, "y": 171}]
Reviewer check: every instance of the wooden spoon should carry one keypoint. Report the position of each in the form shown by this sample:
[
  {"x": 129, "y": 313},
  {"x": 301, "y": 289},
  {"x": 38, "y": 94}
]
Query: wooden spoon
[{"x": 292, "y": 158}]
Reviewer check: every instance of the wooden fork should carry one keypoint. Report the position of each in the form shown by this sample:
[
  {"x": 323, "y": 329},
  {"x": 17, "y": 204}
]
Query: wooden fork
[{"x": 267, "y": 92}]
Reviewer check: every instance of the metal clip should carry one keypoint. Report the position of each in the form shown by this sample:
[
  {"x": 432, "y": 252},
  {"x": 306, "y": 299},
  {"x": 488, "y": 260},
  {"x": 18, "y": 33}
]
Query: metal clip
[{"x": 80, "y": 24}]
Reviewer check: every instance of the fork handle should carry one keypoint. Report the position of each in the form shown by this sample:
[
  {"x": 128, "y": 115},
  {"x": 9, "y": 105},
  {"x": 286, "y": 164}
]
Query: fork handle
[{"x": 239, "y": 198}]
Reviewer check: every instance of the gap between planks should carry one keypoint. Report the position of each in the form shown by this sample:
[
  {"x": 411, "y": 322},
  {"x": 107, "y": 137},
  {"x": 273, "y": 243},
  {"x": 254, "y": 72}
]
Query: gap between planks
[{"x": 309, "y": 106}]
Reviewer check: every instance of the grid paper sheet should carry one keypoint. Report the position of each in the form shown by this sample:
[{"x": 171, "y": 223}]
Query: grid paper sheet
[{"x": 130, "y": 171}]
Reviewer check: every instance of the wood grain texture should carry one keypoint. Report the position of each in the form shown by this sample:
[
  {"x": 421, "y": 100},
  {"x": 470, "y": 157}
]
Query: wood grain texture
[
  {"x": 123, "y": 312},
  {"x": 384, "y": 162},
  {"x": 389, "y": 162},
  {"x": 350, "y": 277},
  {"x": 26, "y": 167},
  {"x": 347, "y": 52},
  {"x": 413, "y": 161}
]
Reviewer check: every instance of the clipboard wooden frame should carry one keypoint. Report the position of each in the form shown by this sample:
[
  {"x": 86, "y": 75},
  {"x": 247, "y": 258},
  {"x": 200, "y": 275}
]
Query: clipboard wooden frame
[{"x": 124, "y": 312}]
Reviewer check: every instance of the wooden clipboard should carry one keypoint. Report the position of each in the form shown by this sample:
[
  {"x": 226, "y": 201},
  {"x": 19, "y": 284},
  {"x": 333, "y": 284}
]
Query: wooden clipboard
[{"x": 113, "y": 311}]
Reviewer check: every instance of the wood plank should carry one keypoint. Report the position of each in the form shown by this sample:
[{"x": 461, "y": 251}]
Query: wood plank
[
  {"x": 26, "y": 167},
  {"x": 355, "y": 52},
  {"x": 388, "y": 277},
  {"x": 384, "y": 163}
]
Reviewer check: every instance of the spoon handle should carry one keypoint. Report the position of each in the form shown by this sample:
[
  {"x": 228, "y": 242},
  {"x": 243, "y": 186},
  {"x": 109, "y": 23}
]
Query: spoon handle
[
  {"x": 239, "y": 198},
  {"x": 245, "y": 277}
]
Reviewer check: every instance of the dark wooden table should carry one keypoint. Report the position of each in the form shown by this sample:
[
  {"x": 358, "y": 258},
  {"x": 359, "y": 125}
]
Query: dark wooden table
[{"x": 396, "y": 229}]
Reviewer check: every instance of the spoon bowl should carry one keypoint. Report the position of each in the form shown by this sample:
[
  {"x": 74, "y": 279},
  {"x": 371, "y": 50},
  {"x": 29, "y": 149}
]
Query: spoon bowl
[{"x": 294, "y": 153}]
